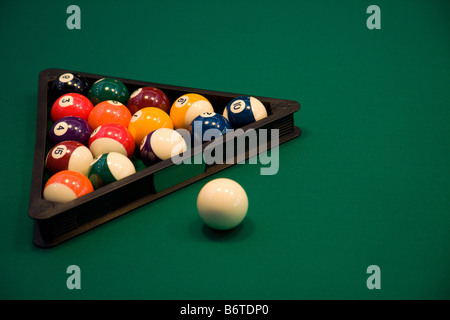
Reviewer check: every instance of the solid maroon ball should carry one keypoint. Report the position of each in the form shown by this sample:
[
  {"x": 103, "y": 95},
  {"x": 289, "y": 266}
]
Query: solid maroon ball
[{"x": 148, "y": 97}]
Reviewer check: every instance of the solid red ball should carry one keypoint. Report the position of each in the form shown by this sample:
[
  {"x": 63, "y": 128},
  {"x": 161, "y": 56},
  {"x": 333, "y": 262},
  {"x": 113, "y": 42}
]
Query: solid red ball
[{"x": 71, "y": 104}]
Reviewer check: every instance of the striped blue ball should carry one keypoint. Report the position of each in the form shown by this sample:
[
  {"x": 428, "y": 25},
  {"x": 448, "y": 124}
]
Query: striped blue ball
[{"x": 244, "y": 110}]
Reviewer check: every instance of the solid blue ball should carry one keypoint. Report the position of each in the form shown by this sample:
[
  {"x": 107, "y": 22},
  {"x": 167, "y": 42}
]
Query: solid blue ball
[{"x": 208, "y": 126}]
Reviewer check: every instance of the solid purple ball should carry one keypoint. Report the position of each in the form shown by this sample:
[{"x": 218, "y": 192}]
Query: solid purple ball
[{"x": 70, "y": 128}]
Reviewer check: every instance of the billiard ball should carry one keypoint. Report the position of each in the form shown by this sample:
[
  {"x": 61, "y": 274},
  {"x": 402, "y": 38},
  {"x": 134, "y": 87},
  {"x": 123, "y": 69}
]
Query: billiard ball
[
  {"x": 208, "y": 126},
  {"x": 69, "y": 155},
  {"x": 69, "y": 82},
  {"x": 111, "y": 137},
  {"x": 148, "y": 97},
  {"x": 108, "y": 89},
  {"x": 244, "y": 110},
  {"x": 67, "y": 185},
  {"x": 187, "y": 107},
  {"x": 109, "y": 111},
  {"x": 222, "y": 204},
  {"x": 108, "y": 168},
  {"x": 161, "y": 144},
  {"x": 71, "y": 104},
  {"x": 70, "y": 128},
  {"x": 147, "y": 120}
]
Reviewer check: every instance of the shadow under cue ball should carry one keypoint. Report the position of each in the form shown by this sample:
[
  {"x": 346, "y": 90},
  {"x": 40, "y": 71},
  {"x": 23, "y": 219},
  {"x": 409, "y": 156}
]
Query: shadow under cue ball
[{"x": 222, "y": 204}]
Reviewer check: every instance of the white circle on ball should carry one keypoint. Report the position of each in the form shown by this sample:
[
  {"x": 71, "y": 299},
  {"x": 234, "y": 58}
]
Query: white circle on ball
[
  {"x": 135, "y": 93},
  {"x": 66, "y": 77},
  {"x": 59, "y": 152},
  {"x": 66, "y": 101},
  {"x": 222, "y": 204},
  {"x": 136, "y": 116},
  {"x": 60, "y": 128},
  {"x": 237, "y": 106},
  {"x": 208, "y": 114},
  {"x": 95, "y": 131},
  {"x": 181, "y": 101}
]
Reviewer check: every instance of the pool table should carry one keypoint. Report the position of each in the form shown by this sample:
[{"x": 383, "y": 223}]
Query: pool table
[{"x": 359, "y": 206}]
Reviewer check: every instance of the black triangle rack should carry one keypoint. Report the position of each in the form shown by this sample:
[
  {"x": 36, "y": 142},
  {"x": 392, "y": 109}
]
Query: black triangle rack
[{"x": 55, "y": 223}]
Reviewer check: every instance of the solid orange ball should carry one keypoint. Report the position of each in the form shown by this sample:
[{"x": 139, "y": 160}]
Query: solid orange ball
[
  {"x": 109, "y": 112},
  {"x": 147, "y": 120}
]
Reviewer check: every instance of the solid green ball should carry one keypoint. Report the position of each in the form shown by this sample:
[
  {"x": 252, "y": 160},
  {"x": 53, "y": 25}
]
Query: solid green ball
[{"x": 108, "y": 89}]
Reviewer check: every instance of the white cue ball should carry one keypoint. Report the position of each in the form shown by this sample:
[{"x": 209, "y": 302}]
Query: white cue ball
[{"x": 222, "y": 204}]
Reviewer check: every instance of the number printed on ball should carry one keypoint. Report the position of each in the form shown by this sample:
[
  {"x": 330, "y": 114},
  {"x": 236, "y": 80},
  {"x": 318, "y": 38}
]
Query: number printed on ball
[
  {"x": 135, "y": 93},
  {"x": 181, "y": 101},
  {"x": 65, "y": 101},
  {"x": 59, "y": 152},
  {"x": 208, "y": 114},
  {"x": 66, "y": 77},
  {"x": 95, "y": 131},
  {"x": 61, "y": 128},
  {"x": 237, "y": 106},
  {"x": 136, "y": 116}
]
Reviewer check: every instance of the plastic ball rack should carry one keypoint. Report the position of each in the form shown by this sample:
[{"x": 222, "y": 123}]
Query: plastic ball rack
[{"x": 55, "y": 223}]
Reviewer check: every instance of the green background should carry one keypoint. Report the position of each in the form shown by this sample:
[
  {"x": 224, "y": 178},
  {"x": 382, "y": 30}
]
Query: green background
[{"x": 366, "y": 184}]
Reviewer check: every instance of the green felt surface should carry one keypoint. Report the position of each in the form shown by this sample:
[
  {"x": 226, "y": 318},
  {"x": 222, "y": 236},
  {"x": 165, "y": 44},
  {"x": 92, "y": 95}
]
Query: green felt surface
[{"x": 366, "y": 184}]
